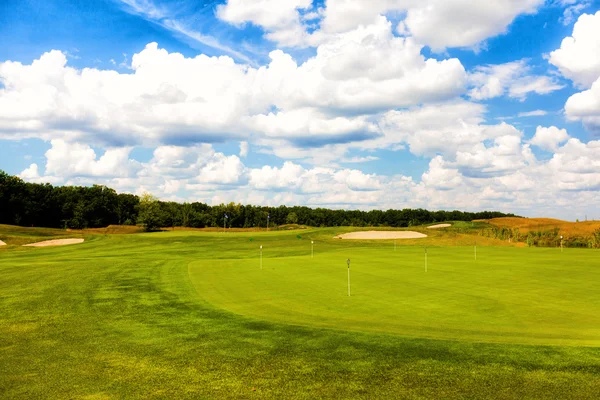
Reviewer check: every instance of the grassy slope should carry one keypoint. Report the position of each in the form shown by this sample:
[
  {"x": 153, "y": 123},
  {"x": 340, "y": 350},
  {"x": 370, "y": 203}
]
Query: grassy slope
[
  {"x": 583, "y": 228},
  {"x": 18, "y": 236},
  {"x": 118, "y": 317}
]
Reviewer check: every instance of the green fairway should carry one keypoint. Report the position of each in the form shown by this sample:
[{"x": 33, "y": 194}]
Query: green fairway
[{"x": 192, "y": 315}]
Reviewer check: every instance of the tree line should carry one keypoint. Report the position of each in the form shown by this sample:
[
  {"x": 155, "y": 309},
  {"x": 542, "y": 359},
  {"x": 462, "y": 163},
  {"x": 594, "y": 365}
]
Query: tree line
[{"x": 77, "y": 207}]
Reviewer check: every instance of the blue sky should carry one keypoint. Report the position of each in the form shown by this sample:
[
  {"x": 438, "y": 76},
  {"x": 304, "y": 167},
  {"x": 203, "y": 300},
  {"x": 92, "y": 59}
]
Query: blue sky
[{"x": 348, "y": 104}]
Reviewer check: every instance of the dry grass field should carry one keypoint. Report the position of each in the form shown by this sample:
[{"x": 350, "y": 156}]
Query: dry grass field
[{"x": 525, "y": 225}]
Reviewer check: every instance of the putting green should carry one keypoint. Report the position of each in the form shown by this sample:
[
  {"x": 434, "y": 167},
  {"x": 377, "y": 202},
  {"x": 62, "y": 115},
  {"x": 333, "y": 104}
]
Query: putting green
[{"x": 533, "y": 296}]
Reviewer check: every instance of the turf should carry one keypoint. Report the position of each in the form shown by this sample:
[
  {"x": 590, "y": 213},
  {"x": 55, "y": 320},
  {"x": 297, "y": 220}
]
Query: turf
[
  {"x": 527, "y": 296},
  {"x": 191, "y": 315}
]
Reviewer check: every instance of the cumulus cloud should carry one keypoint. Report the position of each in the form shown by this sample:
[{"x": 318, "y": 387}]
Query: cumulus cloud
[
  {"x": 364, "y": 70},
  {"x": 222, "y": 169},
  {"x": 281, "y": 19},
  {"x": 32, "y": 174},
  {"x": 487, "y": 173},
  {"x": 511, "y": 79},
  {"x": 309, "y": 128},
  {"x": 442, "y": 128},
  {"x": 585, "y": 106},
  {"x": 75, "y": 159},
  {"x": 576, "y": 166},
  {"x": 273, "y": 178},
  {"x": 436, "y": 23},
  {"x": 549, "y": 138},
  {"x": 578, "y": 57},
  {"x": 171, "y": 99},
  {"x": 441, "y": 24}
]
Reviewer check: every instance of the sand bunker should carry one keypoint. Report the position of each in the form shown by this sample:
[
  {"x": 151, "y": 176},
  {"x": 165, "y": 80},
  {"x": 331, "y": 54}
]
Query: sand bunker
[
  {"x": 2, "y": 243},
  {"x": 377, "y": 235},
  {"x": 55, "y": 242},
  {"x": 438, "y": 226}
]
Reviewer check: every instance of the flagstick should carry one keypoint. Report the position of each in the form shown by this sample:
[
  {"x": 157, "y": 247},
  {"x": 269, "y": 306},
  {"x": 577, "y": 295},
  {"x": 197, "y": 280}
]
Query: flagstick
[
  {"x": 348, "y": 277},
  {"x": 561, "y": 244},
  {"x": 261, "y": 257},
  {"x": 425, "y": 259},
  {"x": 348, "y": 281}
]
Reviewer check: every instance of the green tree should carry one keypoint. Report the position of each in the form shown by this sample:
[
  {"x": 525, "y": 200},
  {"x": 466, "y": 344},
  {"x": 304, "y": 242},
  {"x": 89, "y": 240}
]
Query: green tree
[
  {"x": 149, "y": 212},
  {"x": 186, "y": 211},
  {"x": 291, "y": 218}
]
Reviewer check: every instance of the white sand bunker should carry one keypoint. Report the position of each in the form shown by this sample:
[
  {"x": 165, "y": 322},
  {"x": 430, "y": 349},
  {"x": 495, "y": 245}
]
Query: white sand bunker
[
  {"x": 2, "y": 243},
  {"x": 378, "y": 235},
  {"x": 438, "y": 226},
  {"x": 55, "y": 242}
]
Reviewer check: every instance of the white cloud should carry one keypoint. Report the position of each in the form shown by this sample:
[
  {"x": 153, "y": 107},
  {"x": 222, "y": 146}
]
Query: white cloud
[
  {"x": 356, "y": 160},
  {"x": 359, "y": 181},
  {"x": 244, "y": 149},
  {"x": 534, "y": 113},
  {"x": 362, "y": 71},
  {"x": 511, "y": 79},
  {"x": 222, "y": 170},
  {"x": 442, "y": 128},
  {"x": 288, "y": 176},
  {"x": 440, "y": 177},
  {"x": 576, "y": 166},
  {"x": 74, "y": 159},
  {"x": 171, "y": 99},
  {"x": 32, "y": 174},
  {"x": 585, "y": 106},
  {"x": 578, "y": 57},
  {"x": 436, "y": 23},
  {"x": 280, "y": 19},
  {"x": 550, "y": 138},
  {"x": 533, "y": 84},
  {"x": 463, "y": 23},
  {"x": 309, "y": 128},
  {"x": 178, "y": 161},
  {"x": 497, "y": 173},
  {"x": 505, "y": 156},
  {"x": 572, "y": 9}
]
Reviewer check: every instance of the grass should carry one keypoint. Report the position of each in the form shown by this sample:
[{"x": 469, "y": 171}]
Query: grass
[
  {"x": 18, "y": 236},
  {"x": 525, "y": 225},
  {"x": 507, "y": 295},
  {"x": 190, "y": 315}
]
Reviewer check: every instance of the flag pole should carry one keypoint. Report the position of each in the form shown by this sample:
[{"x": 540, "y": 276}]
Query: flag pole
[{"x": 348, "y": 277}]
